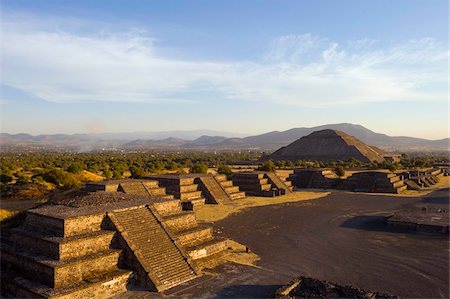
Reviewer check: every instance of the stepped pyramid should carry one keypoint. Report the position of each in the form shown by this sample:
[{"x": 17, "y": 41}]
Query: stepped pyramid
[
  {"x": 374, "y": 181},
  {"x": 97, "y": 245},
  {"x": 197, "y": 189},
  {"x": 325, "y": 146}
]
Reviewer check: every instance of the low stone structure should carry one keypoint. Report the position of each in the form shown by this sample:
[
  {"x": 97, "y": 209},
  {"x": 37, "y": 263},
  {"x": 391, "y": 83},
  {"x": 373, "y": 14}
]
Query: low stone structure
[
  {"x": 314, "y": 178},
  {"x": 374, "y": 182},
  {"x": 259, "y": 183},
  {"x": 307, "y": 287},
  {"x": 130, "y": 186},
  {"x": 416, "y": 179},
  {"x": 97, "y": 245},
  {"x": 422, "y": 218},
  {"x": 191, "y": 189},
  {"x": 197, "y": 189}
]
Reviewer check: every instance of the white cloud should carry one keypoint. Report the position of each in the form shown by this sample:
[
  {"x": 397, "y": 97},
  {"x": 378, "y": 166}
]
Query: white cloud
[{"x": 305, "y": 70}]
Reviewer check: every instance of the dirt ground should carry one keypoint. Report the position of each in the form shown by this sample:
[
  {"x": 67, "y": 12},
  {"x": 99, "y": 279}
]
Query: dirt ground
[{"x": 341, "y": 238}]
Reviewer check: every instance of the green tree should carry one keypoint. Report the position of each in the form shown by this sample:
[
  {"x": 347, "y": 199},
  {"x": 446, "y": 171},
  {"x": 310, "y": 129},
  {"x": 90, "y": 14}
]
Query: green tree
[
  {"x": 137, "y": 172},
  {"x": 226, "y": 170},
  {"x": 199, "y": 168},
  {"x": 5, "y": 178},
  {"x": 267, "y": 166},
  {"x": 339, "y": 170},
  {"x": 76, "y": 167}
]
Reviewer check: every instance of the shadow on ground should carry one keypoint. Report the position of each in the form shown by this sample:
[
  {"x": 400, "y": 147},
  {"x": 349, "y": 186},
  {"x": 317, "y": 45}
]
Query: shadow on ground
[
  {"x": 378, "y": 224},
  {"x": 247, "y": 291}
]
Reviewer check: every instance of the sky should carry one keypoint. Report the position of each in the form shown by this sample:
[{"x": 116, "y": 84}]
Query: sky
[{"x": 248, "y": 66}]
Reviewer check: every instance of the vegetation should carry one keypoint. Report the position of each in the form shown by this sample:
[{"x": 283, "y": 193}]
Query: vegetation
[
  {"x": 199, "y": 168},
  {"x": 267, "y": 166},
  {"x": 34, "y": 174},
  {"x": 339, "y": 170}
]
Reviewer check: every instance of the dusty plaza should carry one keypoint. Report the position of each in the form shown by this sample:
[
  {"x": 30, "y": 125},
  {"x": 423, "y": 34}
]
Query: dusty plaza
[{"x": 341, "y": 237}]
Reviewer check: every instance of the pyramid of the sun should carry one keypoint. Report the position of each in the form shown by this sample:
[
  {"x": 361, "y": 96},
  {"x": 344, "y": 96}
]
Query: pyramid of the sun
[{"x": 327, "y": 145}]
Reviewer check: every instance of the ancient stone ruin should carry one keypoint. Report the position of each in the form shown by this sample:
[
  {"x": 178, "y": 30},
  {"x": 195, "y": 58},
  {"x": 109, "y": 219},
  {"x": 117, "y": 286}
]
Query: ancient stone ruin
[
  {"x": 425, "y": 218},
  {"x": 259, "y": 183},
  {"x": 99, "y": 244},
  {"x": 314, "y": 178},
  {"x": 416, "y": 179},
  {"x": 326, "y": 146},
  {"x": 307, "y": 287},
  {"x": 374, "y": 182},
  {"x": 191, "y": 189}
]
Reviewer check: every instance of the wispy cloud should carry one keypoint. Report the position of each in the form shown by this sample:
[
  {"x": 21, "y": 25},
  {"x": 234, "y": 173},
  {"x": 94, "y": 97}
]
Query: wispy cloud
[{"x": 60, "y": 64}]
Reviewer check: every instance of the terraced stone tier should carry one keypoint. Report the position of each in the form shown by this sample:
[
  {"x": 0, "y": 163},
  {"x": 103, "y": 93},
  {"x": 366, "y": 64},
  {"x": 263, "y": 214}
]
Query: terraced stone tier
[
  {"x": 58, "y": 274},
  {"x": 60, "y": 248},
  {"x": 158, "y": 256},
  {"x": 104, "y": 286},
  {"x": 207, "y": 248}
]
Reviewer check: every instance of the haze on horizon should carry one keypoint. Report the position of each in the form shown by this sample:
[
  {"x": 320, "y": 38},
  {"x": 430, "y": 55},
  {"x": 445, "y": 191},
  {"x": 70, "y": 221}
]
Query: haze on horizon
[{"x": 238, "y": 66}]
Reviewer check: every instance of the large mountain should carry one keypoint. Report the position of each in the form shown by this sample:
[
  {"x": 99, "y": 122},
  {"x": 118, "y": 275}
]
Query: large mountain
[
  {"x": 200, "y": 140},
  {"x": 327, "y": 145}
]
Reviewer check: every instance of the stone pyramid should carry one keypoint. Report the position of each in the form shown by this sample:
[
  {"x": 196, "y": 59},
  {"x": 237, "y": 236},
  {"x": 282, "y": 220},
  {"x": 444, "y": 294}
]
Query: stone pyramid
[{"x": 327, "y": 145}]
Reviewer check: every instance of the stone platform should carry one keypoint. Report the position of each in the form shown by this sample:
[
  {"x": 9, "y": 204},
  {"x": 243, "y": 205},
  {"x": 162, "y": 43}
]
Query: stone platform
[
  {"x": 198, "y": 189},
  {"x": 260, "y": 183}
]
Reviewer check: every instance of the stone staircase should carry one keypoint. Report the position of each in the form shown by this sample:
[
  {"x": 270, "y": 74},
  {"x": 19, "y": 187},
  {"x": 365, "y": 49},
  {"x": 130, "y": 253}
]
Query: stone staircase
[
  {"x": 162, "y": 263},
  {"x": 232, "y": 191},
  {"x": 258, "y": 183},
  {"x": 182, "y": 187},
  {"x": 197, "y": 241},
  {"x": 45, "y": 258},
  {"x": 279, "y": 183},
  {"x": 213, "y": 191}
]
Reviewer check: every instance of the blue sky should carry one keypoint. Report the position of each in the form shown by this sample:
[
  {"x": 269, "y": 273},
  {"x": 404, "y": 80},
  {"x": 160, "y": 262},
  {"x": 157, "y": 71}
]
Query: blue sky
[{"x": 239, "y": 66}]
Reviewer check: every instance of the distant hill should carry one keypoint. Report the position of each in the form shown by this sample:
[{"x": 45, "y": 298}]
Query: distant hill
[
  {"x": 327, "y": 145},
  {"x": 212, "y": 140}
]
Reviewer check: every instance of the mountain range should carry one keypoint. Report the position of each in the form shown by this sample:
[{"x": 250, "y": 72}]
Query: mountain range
[{"x": 210, "y": 140}]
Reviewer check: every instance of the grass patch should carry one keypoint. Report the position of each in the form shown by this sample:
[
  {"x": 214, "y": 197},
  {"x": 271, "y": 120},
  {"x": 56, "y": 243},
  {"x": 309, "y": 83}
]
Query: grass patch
[{"x": 211, "y": 213}]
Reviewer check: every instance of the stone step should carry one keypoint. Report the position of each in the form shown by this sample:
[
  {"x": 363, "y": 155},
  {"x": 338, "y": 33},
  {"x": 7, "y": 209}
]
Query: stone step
[
  {"x": 62, "y": 248},
  {"x": 237, "y": 195},
  {"x": 151, "y": 184},
  {"x": 181, "y": 221},
  {"x": 394, "y": 179},
  {"x": 207, "y": 248},
  {"x": 232, "y": 189},
  {"x": 221, "y": 177},
  {"x": 169, "y": 207},
  {"x": 190, "y": 204},
  {"x": 104, "y": 286},
  {"x": 225, "y": 184},
  {"x": 211, "y": 261},
  {"x": 194, "y": 236},
  {"x": 58, "y": 274},
  {"x": 157, "y": 192},
  {"x": 176, "y": 189},
  {"x": 398, "y": 184},
  {"x": 188, "y": 195}
]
